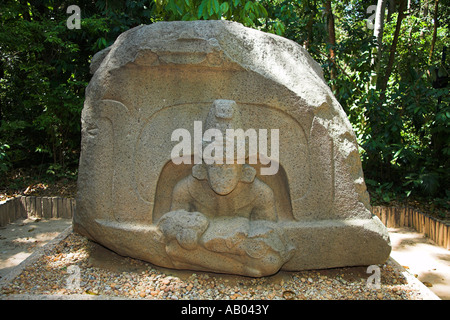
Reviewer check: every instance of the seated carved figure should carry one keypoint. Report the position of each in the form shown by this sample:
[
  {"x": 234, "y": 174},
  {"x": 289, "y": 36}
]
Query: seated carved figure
[
  {"x": 223, "y": 218},
  {"x": 240, "y": 194},
  {"x": 225, "y": 189}
]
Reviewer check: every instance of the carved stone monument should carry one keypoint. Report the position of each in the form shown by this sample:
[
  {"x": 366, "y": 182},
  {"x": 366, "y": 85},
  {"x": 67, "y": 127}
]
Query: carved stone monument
[{"x": 210, "y": 146}]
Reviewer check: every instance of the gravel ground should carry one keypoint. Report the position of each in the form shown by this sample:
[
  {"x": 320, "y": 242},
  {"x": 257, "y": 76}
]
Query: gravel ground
[
  {"x": 22, "y": 237},
  {"x": 105, "y": 274}
]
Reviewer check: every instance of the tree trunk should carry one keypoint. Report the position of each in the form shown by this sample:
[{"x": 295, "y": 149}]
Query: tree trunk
[
  {"x": 391, "y": 9},
  {"x": 309, "y": 28},
  {"x": 331, "y": 44},
  {"x": 378, "y": 34},
  {"x": 379, "y": 20},
  {"x": 310, "y": 24},
  {"x": 392, "y": 51},
  {"x": 433, "y": 40},
  {"x": 425, "y": 8}
]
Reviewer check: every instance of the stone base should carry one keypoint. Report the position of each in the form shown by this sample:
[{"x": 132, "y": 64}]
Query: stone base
[{"x": 318, "y": 245}]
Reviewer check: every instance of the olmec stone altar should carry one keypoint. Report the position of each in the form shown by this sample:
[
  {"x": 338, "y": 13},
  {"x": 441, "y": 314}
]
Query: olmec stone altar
[{"x": 155, "y": 181}]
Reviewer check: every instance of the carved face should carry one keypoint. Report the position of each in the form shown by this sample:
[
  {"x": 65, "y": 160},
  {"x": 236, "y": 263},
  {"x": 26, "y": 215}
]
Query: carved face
[{"x": 223, "y": 178}]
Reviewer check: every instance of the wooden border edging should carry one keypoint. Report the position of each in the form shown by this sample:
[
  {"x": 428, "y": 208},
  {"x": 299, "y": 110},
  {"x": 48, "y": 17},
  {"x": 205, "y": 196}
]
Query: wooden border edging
[
  {"x": 399, "y": 217},
  {"x": 36, "y": 207}
]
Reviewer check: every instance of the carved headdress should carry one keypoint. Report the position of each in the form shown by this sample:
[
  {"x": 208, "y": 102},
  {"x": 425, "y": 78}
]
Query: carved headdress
[{"x": 225, "y": 117}]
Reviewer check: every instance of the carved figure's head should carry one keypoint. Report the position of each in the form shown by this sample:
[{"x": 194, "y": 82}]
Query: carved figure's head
[
  {"x": 224, "y": 175},
  {"x": 223, "y": 178}
]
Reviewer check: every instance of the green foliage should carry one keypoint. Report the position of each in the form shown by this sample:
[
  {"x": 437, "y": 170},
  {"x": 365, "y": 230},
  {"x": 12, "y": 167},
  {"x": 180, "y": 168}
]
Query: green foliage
[
  {"x": 406, "y": 135},
  {"x": 4, "y": 161},
  {"x": 382, "y": 192},
  {"x": 44, "y": 70},
  {"x": 41, "y": 90},
  {"x": 249, "y": 13}
]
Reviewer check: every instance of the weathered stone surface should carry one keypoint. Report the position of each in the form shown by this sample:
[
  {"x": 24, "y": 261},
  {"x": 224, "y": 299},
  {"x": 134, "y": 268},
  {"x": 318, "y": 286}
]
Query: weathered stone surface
[{"x": 312, "y": 212}]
